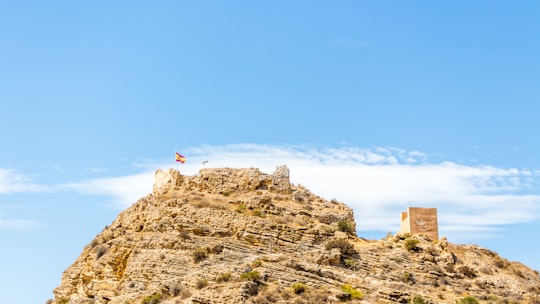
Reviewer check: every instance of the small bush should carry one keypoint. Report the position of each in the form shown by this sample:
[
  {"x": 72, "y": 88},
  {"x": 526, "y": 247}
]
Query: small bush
[
  {"x": 417, "y": 300},
  {"x": 201, "y": 283},
  {"x": 224, "y": 277},
  {"x": 259, "y": 213},
  {"x": 469, "y": 300},
  {"x": 350, "y": 263},
  {"x": 500, "y": 263},
  {"x": 199, "y": 254},
  {"x": 241, "y": 208},
  {"x": 407, "y": 278},
  {"x": 411, "y": 244},
  {"x": 354, "y": 294},
  {"x": 467, "y": 271},
  {"x": 253, "y": 276},
  {"x": 346, "y": 226},
  {"x": 344, "y": 246},
  {"x": 153, "y": 299},
  {"x": 63, "y": 301},
  {"x": 298, "y": 288}
]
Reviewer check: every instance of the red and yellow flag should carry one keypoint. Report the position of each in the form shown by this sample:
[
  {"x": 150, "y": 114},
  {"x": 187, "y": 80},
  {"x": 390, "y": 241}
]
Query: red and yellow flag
[{"x": 180, "y": 158}]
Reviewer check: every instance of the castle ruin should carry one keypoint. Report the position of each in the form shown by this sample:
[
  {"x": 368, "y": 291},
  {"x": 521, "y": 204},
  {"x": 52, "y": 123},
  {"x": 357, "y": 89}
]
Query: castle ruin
[{"x": 418, "y": 220}]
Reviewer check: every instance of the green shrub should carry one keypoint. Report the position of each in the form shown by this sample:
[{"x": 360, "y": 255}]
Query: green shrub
[
  {"x": 346, "y": 226},
  {"x": 153, "y": 299},
  {"x": 469, "y": 300},
  {"x": 411, "y": 244},
  {"x": 417, "y": 300},
  {"x": 350, "y": 263},
  {"x": 298, "y": 288},
  {"x": 253, "y": 276},
  {"x": 354, "y": 294},
  {"x": 63, "y": 301}
]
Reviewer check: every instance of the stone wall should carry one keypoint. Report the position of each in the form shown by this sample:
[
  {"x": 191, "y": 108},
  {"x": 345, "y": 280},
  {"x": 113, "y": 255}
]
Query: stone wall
[{"x": 420, "y": 221}]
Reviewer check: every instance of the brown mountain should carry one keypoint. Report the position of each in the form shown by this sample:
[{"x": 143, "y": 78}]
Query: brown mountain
[{"x": 243, "y": 236}]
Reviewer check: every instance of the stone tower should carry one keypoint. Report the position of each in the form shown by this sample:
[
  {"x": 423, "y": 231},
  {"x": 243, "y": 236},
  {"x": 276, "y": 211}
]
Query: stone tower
[{"x": 418, "y": 220}]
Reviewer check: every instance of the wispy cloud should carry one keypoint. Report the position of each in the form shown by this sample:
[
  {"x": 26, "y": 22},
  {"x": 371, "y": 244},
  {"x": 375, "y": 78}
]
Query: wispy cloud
[
  {"x": 378, "y": 183},
  {"x": 17, "y": 224},
  {"x": 124, "y": 190},
  {"x": 12, "y": 181}
]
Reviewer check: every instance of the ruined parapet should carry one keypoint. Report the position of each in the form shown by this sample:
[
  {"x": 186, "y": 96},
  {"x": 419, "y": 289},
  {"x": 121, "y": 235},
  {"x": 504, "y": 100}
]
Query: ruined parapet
[
  {"x": 280, "y": 180},
  {"x": 166, "y": 181},
  {"x": 418, "y": 220}
]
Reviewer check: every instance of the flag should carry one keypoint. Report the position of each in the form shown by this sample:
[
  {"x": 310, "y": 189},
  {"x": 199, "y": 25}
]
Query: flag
[{"x": 180, "y": 158}]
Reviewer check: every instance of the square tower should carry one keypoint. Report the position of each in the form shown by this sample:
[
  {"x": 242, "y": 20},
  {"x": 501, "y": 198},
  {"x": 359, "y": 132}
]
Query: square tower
[{"x": 420, "y": 221}]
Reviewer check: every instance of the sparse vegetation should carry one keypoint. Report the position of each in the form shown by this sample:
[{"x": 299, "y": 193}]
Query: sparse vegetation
[
  {"x": 353, "y": 293},
  {"x": 500, "y": 263},
  {"x": 199, "y": 254},
  {"x": 411, "y": 244},
  {"x": 467, "y": 271},
  {"x": 201, "y": 283},
  {"x": 256, "y": 263},
  {"x": 224, "y": 277},
  {"x": 417, "y": 299},
  {"x": 469, "y": 300},
  {"x": 350, "y": 263},
  {"x": 298, "y": 288},
  {"x": 346, "y": 226},
  {"x": 407, "y": 278},
  {"x": 259, "y": 213},
  {"x": 153, "y": 299},
  {"x": 253, "y": 276},
  {"x": 241, "y": 208},
  {"x": 344, "y": 246}
]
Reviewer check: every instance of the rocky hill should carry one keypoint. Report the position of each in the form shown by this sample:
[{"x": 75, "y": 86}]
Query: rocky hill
[{"x": 243, "y": 236}]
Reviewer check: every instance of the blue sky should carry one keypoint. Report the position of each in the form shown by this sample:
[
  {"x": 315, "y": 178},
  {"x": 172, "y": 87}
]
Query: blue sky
[{"x": 377, "y": 104}]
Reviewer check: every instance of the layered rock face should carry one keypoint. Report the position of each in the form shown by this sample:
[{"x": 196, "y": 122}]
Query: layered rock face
[{"x": 243, "y": 236}]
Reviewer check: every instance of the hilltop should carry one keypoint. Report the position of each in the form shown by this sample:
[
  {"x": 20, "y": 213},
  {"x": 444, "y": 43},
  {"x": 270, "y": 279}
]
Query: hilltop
[{"x": 243, "y": 236}]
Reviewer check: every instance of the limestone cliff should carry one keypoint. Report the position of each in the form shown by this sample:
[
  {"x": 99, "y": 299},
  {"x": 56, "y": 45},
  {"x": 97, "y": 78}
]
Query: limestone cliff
[{"x": 243, "y": 236}]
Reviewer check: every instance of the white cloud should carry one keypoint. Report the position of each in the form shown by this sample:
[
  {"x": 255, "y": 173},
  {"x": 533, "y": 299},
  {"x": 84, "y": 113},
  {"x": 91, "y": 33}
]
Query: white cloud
[
  {"x": 124, "y": 190},
  {"x": 378, "y": 183},
  {"x": 12, "y": 181}
]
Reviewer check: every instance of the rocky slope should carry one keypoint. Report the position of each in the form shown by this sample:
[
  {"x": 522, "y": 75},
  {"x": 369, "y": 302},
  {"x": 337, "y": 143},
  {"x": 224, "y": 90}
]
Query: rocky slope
[{"x": 243, "y": 236}]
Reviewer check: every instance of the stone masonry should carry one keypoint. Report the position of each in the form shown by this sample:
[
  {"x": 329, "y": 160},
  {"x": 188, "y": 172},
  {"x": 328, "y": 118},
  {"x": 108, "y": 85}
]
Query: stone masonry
[{"x": 418, "y": 220}]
